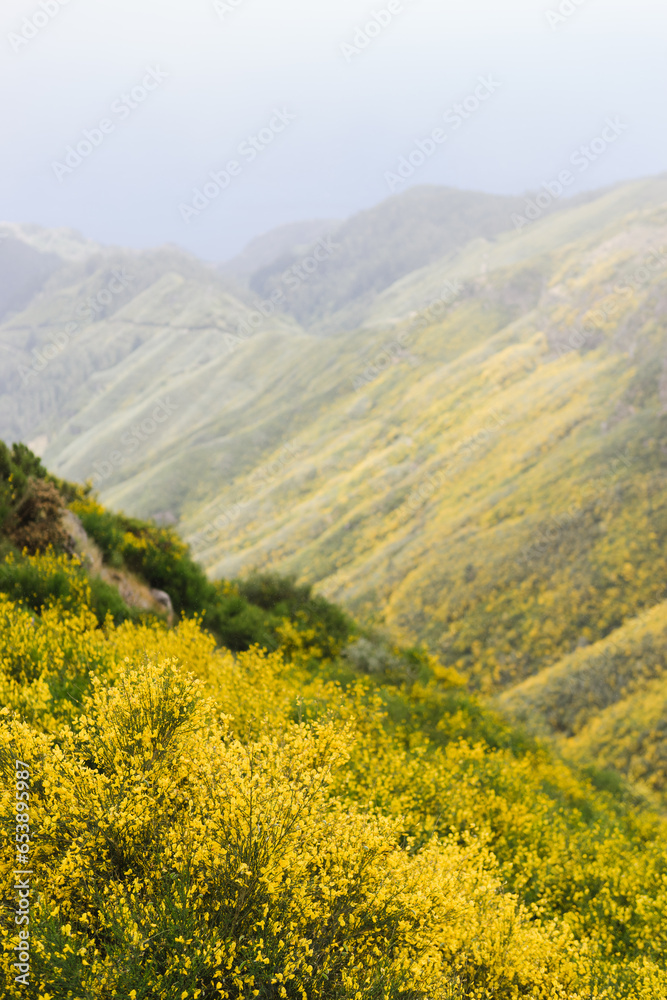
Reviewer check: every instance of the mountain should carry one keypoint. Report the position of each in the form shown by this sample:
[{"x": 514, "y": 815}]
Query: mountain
[
  {"x": 92, "y": 312},
  {"x": 479, "y": 464},
  {"x": 377, "y": 247},
  {"x": 286, "y": 240},
  {"x": 606, "y": 702}
]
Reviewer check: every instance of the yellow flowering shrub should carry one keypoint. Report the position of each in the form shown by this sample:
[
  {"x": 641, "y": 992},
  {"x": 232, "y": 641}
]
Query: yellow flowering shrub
[
  {"x": 213, "y": 825},
  {"x": 176, "y": 860}
]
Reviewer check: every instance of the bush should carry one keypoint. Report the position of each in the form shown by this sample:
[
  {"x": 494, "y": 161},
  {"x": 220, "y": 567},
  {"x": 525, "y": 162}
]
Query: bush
[
  {"x": 46, "y": 580},
  {"x": 156, "y": 554},
  {"x": 241, "y": 614},
  {"x": 37, "y": 521},
  {"x": 17, "y": 466},
  {"x": 177, "y": 861},
  {"x": 39, "y": 582},
  {"x": 104, "y": 528},
  {"x": 284, "y": 598},
  {"x": 372, "y": 657},
  {"x": 273, "y": 832}
]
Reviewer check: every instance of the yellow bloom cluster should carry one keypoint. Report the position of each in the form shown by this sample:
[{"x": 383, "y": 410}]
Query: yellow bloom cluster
[
  {"x": 171, "y": 853},
  {"x": 205, "y": 825}
]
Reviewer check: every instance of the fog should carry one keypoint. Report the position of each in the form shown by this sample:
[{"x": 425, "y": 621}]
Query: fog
[{"x": 330, "y": 97}]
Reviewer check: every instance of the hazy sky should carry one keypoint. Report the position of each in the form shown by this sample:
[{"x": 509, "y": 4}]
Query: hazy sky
[{"x": 313, "y": 103}]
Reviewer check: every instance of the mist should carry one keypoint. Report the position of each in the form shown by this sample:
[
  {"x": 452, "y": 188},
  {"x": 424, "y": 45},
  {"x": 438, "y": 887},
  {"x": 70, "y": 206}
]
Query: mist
[{"x": 361, "y": 85}]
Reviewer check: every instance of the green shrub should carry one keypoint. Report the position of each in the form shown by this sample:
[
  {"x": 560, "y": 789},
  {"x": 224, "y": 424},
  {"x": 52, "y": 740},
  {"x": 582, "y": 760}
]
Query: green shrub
[
  {"x": 39, "y": 582},
  {"x": 156, "y": 554},
  {"x": 36, "y": 586},
  {"x": 17, "y": 466},
  {"x": 238, "y": 624},
  {"x": 243, "y": 614},
  {"x": 104, "y": 528},
  {"x": 106, "y": 600},
  {"x": 284, "y": 598}
]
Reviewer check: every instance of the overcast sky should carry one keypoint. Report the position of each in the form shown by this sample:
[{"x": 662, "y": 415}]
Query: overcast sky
[{"x": 357, "y": 86}]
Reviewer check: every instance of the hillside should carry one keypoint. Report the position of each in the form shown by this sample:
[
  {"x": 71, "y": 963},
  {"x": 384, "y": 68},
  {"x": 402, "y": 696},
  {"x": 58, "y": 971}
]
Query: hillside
[
  {"x": 329, "y": 816},
  {"x": 61, "y": 349},
  {"x": 375, "y": 248},
  {"x": 422, "y": 492},
  {"x": 479, "y": 464},
  {"x": 607, "y": 702}
]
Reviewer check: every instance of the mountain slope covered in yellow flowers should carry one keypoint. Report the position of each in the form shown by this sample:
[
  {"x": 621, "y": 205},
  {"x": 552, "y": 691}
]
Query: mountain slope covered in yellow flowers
[
  {"x": 268, "y": 799},
  {"x": 488, "y": 473}
]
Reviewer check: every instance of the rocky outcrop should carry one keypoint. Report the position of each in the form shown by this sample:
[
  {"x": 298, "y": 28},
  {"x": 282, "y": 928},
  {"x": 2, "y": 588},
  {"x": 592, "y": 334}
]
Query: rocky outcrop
[
  {"x": 134, "y": 591},
  {"x": 164, "y": 600}
]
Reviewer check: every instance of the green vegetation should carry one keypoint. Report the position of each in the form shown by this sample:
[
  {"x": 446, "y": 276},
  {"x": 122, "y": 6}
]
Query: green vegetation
[
  {"x": 495, "y": 484},
  {"x": 26, "y": 581},
  {"x": 239, "y": 613},
  {"x": 480, "y": 470},
  {"x": 18, "y": 469}
]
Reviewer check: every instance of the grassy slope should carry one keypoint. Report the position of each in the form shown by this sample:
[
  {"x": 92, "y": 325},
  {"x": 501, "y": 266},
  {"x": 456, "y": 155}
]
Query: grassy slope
[{"x": 166, "y": 291}]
